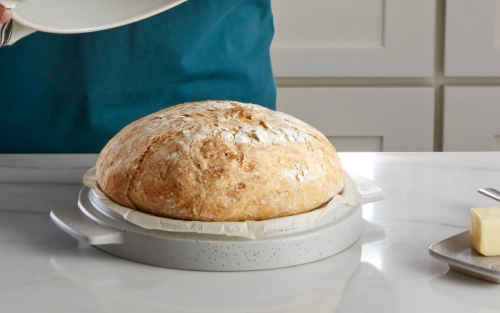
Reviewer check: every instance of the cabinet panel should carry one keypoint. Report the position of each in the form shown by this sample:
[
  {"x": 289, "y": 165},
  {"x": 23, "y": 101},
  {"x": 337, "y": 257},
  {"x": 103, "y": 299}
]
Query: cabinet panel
[
  {"x": 366, "y": 119},
  {"x": 472, "y": 38},
  {"x": 471, "y": 119},
  {"x": 328, "y": 24},
  {"x": 357, "y": 143},
  {"x": 353, "y": 38}
]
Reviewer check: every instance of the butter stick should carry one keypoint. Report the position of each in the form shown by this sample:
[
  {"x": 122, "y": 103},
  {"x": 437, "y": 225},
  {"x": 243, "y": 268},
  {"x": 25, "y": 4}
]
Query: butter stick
[{"x": 485, "y": 230}]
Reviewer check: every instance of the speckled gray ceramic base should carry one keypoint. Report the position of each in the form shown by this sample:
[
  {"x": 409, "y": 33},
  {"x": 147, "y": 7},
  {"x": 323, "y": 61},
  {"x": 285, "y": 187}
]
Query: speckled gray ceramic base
[
  {"x": 461, "y": 256},
  {"x": 93, "y": 223}
]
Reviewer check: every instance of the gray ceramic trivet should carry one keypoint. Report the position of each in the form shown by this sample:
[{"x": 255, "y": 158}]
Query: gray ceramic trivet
[{"x": 461, "y": 257}]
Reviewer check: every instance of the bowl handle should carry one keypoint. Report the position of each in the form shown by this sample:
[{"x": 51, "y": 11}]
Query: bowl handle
[
  {"x": 369, "y": 191},
  {"x": 79, "y": 226}
]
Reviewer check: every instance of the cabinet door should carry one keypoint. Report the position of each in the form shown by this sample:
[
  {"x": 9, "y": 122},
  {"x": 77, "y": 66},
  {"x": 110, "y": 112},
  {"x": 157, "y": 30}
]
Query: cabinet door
[
  {"x": 353, "y": 38},
  {"x": 366, "y": 119},
  {"x": 472, "y": 119},
  {"x": 472, "y": 38}
]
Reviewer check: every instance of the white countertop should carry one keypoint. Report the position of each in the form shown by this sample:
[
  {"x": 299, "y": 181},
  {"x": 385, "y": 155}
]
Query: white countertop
[{"x": 429, "y": 195}]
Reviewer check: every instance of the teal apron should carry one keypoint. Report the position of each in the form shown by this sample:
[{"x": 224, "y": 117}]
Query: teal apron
[{"x": 72, "y": 93}]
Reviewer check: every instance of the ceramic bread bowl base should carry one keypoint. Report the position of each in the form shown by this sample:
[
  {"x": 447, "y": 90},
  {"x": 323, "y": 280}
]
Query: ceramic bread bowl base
[{"x": 93, "y": 223}]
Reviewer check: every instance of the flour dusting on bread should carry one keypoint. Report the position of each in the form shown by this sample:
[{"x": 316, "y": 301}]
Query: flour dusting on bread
[{"x": 220, "y": 161}]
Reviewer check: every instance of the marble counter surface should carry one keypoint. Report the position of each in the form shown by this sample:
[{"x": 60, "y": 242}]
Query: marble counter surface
[{"x": 429, "y": 196}]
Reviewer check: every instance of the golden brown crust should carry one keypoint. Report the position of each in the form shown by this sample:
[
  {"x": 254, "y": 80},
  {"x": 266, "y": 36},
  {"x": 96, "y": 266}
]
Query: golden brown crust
[{"x": 220, "y": 161}]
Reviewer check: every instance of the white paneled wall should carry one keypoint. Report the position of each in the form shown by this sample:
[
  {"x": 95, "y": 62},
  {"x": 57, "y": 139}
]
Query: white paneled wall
[
  {"x": 472, "y": 116},
  {"x": 350, "y": 38},
  {"x": 378, "y": 75},
  {"x": 473, "y": 38},
  {"x": 329, "y": 24},
  {"x": 377, "y": 119}
]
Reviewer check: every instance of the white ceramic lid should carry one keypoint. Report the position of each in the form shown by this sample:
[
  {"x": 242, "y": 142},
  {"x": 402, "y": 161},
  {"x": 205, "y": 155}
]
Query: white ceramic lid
[{"x": 82, "y": 16}]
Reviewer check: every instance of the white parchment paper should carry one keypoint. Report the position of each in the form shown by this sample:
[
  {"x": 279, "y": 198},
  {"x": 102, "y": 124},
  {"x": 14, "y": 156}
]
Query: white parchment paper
[{"x": 250, "y": 229}]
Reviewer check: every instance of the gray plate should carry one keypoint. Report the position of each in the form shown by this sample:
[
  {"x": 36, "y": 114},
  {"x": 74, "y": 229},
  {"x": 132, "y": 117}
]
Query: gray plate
[{"x": 461, "y": 256}]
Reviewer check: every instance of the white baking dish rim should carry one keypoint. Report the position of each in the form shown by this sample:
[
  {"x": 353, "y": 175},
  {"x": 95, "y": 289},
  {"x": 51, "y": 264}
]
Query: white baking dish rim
[{"x": 251, "y": 229}]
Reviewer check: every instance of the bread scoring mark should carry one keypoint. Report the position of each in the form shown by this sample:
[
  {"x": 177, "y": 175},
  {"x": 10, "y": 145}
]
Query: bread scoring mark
[{"x": 135, "y": 170}]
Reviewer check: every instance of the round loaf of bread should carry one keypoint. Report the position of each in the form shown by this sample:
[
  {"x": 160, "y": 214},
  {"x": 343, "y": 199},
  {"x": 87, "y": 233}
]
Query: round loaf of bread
[{"x": 220, "y": 161}]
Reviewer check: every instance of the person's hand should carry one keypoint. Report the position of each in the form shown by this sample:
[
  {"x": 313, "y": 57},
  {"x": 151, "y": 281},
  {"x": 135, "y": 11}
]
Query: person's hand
[{"x": 5, "y": 15}]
